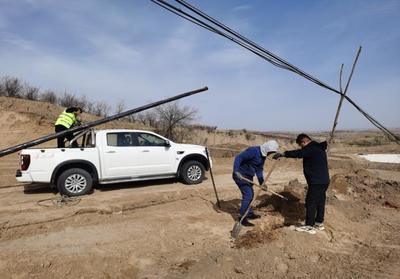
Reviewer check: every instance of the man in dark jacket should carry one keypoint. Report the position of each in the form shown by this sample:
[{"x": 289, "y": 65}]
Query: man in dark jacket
[
  {"x": 315, "y": 168},
  {"x": 248, "y": 163}
]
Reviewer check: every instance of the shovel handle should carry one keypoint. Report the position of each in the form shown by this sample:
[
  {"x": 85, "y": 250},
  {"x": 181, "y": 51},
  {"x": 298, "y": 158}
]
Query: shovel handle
[{"x": 255, "y": 183}]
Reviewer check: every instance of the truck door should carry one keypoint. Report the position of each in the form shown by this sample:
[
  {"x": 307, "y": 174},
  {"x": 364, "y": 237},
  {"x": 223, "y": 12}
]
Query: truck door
[
  {"x": 158, "y": 156},
  {"x": 132, "y": 154}
]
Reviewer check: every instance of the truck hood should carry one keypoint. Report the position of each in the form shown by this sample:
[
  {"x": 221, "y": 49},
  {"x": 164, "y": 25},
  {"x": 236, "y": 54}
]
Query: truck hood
[{"x": 185, "y": 146}]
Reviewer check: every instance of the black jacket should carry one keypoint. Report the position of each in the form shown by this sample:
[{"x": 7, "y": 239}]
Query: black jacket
[{"x": 315, "y": 163}]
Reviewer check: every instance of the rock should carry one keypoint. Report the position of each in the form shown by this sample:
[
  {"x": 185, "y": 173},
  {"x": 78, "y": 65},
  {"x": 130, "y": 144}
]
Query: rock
[
  {"x": 282, "y": 268},
  {"x": 314, "y": 258},
  {"x": 238, "y": 270},
  {"x": 363, "y": 173},
  {"x": 292, "y": 227},
  {"x": 340, "y": 197},
  {"x": 292, "y": 257}
]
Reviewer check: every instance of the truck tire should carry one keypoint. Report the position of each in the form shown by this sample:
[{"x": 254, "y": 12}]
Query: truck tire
[
  {"x": 74, "y": 182},
  {"x": 192, "y": 172}
]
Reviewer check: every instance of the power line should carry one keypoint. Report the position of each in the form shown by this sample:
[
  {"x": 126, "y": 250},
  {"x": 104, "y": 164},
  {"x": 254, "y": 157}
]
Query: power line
[{"x": 219, "y": 28}]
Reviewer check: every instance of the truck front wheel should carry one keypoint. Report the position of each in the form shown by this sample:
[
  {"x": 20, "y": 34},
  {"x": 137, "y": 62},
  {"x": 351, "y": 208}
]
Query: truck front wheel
[
  {"x": 74, "y": 182},
  {"x": 192, "y": 172}
]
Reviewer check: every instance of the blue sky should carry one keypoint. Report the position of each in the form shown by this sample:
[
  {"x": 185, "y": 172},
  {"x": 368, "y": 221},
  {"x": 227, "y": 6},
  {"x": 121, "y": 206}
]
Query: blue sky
[{"x": 137, "y": 52}]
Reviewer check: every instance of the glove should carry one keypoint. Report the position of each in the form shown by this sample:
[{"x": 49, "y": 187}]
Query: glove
[
  {"x": 277, "y": 156},
  {"x": 238, "y": 175}
]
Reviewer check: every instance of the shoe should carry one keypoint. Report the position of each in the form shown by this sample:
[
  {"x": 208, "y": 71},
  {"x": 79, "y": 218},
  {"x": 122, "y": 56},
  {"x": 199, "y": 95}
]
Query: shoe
[
  {"x": 319, "y": 226},
  {"x": 246, "y": 223},
  {"x": 253, "y": 216},
  {"x": 308, "y": 229}
]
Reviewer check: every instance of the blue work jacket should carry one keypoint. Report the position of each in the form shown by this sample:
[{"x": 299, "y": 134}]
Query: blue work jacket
[{"x": 250, "y": 162}]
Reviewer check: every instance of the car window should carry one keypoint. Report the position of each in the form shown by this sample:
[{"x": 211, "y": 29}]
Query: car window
[
  {"x": 145, "y": 139},
  {"x": 121, "y": 139},
  {"x": 88, "y": 142},
  {"x": 134, "y": 139}
]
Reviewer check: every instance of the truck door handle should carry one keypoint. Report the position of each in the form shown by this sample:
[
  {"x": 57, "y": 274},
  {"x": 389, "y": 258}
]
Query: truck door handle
[
  {"x": 111, "y": 151},
  {"x": 146, "y": 151}
]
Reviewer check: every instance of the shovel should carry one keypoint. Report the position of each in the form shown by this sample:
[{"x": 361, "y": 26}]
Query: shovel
[
  {"x": 238, "y": 225},
  {"x": 261, "y": 186}
]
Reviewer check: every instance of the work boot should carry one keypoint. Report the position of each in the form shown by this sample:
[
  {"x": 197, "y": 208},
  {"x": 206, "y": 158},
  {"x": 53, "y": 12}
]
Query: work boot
[
  {"x": 253, "y": 216},
  {"x": 246, "y": 223}
]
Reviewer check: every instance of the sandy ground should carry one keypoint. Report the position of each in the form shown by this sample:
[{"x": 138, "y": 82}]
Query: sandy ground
[{"x": 164, "y": 229}]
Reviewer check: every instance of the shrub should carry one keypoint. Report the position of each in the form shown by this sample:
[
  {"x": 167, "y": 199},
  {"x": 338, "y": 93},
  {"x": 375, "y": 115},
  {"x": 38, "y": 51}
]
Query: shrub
[
  {"x": 12, "y": 87},
  {"x": 49, "y": 96},
  {"x": 31, "y": 92}
]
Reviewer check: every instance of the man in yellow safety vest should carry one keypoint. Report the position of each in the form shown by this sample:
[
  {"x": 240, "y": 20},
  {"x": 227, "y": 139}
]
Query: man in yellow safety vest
[{"x": 68, "y": 118}]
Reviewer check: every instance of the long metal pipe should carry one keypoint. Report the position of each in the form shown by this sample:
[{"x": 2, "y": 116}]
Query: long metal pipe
[{"x": 31, "y": 143}]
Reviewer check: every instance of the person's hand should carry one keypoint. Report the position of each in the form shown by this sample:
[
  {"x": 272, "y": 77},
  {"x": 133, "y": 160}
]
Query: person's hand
[
  {"x": 238, "y": 175},
  {"x": 264, "y": 187},
  {"x": 277, "y": 156}
]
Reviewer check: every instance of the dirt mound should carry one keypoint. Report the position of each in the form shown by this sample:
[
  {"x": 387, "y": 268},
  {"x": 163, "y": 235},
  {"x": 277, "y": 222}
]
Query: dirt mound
[
  {"x": 267, "y": 230},
  {"x": 363, "y": 185},
  {"x": 24, "y": 120},
  {"x": 257, "y": 237},
  {"x": 277, "y": 214},
  {"x": 291, "y": 211}
]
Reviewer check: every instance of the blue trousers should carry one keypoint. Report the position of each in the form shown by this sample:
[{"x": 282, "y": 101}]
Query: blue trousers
[{"x": 247, "y": 195}]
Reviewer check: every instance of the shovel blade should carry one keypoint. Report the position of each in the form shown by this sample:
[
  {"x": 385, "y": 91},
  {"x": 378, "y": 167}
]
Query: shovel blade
[{"x": 236, "y": 229}]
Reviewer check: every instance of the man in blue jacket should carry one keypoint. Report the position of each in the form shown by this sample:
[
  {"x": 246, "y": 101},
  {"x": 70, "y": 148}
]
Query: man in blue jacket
[
  {"x": 248, "y": 163},
  {"x": 315, "y": 168}
]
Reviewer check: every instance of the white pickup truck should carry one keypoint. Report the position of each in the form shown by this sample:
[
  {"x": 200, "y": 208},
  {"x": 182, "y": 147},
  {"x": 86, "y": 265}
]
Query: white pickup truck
[{"x": 112, "y": 156}]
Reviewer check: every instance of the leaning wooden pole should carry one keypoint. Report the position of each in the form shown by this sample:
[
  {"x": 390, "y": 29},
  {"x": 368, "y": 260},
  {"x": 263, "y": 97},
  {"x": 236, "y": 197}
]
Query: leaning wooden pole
[
  {"x": 212, "y": 178},
  {"x": 31, "y": 143},
  {"x": 342, "y": 96}
]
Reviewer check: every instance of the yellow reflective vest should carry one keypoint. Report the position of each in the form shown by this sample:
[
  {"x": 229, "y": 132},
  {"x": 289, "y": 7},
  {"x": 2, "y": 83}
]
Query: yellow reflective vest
[{"x": 67, "y": 119}]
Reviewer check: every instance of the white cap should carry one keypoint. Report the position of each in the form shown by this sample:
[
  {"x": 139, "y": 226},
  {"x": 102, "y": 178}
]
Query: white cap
[{"x": 269, "y": 146}]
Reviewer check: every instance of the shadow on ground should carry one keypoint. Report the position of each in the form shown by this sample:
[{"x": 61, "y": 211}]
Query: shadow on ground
[
  {"x": 45, "y": 188},
  {"x": 138, "y": 184},
  {"x": 293, "y": 210},
  {"x": 35, "y": 188}
]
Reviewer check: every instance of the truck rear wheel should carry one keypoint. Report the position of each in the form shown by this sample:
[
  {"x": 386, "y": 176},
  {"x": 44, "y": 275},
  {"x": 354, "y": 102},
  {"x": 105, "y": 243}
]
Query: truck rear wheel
[
  {"x": 74, "y": 182},
  {"x": 192, "y": 172}
]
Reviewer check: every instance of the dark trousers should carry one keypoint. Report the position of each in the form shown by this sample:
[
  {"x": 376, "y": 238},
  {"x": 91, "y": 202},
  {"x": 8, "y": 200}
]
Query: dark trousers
[
  {"x": 68, "y": 136},
  {"x": 315, "y": 203},
  {"x": 247, "y": 195}
]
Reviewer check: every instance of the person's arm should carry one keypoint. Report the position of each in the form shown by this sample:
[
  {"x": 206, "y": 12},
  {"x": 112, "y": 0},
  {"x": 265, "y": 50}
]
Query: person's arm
[
  {"x": 299, "y": 153},
  {"x": 260, "y": 174}
]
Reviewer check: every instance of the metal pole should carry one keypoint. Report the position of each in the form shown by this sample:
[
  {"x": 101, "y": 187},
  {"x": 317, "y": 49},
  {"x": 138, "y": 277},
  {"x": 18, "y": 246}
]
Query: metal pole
[
  {"x": 212, "y": 179},
  {"x": 335, "y": 122},
  {"x": 97, "y": 122}
]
